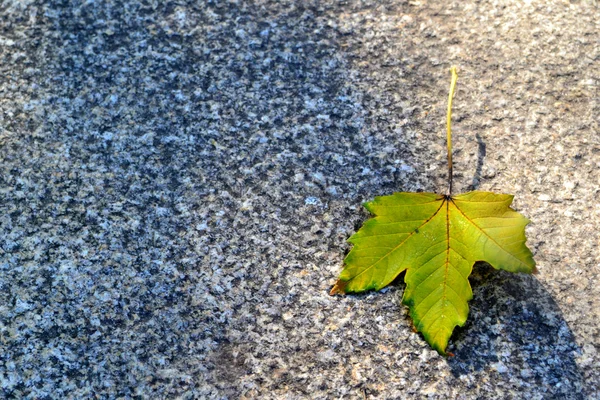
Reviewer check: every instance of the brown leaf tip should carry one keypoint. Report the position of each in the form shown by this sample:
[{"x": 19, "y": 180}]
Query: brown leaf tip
[{"x": 339, "y": 287}]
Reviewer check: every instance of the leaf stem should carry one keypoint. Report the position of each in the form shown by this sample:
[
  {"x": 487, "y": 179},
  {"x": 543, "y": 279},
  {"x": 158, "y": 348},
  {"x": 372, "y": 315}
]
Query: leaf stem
[{"x": 449, "y": 128}]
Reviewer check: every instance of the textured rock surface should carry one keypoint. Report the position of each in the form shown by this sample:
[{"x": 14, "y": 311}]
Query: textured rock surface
[{"x": 178, "y": 180}]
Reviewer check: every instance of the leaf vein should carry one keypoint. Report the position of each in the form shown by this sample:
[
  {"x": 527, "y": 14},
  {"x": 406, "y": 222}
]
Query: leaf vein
[
  {"x": 401, "y": 243},
  {"x": 485, "y": 233}
]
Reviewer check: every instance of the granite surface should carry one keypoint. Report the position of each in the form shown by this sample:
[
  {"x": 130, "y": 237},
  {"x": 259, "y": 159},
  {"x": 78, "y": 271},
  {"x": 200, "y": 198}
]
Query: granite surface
[{"x": 178, "y": 179}]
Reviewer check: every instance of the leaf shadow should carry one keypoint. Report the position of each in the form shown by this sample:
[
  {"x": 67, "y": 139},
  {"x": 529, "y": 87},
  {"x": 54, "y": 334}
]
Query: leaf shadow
[
  {"x": 481, "y": 153},
  {"x": 516, "y": 330}
]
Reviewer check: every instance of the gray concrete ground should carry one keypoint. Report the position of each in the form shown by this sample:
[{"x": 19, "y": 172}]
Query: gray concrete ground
[{"x": 178, "y": 179}]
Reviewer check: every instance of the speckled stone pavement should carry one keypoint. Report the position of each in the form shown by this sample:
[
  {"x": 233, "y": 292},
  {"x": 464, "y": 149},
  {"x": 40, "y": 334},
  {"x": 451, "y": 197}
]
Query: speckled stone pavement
[{"x": 178, "y": 179}]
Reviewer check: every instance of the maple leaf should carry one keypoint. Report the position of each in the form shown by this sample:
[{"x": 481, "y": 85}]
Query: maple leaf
[{"x": 436, "y": 239}]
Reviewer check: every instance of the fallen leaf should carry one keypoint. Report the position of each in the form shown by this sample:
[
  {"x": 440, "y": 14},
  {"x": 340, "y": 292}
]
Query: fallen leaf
[{"x": 436, "y": 239}]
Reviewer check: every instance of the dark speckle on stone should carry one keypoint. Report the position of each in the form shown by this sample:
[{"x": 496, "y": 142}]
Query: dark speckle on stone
[{"x": 179, "y": 179}]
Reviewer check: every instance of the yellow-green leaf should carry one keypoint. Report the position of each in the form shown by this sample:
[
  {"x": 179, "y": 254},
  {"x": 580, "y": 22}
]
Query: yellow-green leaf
[{"x": 436, "y": 239}]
